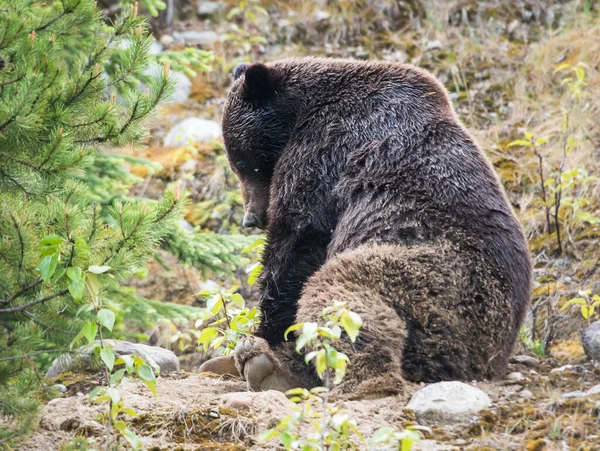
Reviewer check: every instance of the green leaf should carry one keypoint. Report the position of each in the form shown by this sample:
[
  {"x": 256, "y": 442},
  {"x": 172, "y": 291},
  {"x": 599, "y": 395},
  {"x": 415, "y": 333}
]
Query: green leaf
[
  {"x": 76, "y": 282},
  {"x": 238, "y": 300},
  {"x": 106, "y": 317},
  {"x": 520, "y": 142},
  {"x": 587, "y": 311},
  {"x": 286, "y": 439},
  {"x": 129, "y": 435},
  {"x": 206, "y": 336},
  {"x": 116, "y": 377},
  {"x": 254, "y": 272},
  {"x": 50, "y": 245},
  {"x": 108, "y": 357},
  {"x": 292, "y": 329},
  {"x": 145, "y": 372},
  {"x": 382, "y": 435},
  {"x": 562, "y": 67},
  {"x": 99, "y": 269},
  {"x": 128, "y": 361},
  {"x": 93, "y": 286},
  {"x": 90, "y": 330},
  {"x": 114, "y": 394},
  {"x": 257, "y": 243},
  {"x": 267, "y": 435},
  {"x": 574, "y": 301},
  {"x": 351, "y": 322},
  {"x": 214, "y": 304},
  {"x": 48, "y": 266}
]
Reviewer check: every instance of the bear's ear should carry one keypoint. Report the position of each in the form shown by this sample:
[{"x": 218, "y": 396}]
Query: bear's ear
[
  {"x": 260, "y": 81},
  {"x": 240, "y": 70}
]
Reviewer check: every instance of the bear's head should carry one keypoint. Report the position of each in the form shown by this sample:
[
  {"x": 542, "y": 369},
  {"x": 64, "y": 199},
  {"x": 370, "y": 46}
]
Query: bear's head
[{"x": 257, "y": 122}]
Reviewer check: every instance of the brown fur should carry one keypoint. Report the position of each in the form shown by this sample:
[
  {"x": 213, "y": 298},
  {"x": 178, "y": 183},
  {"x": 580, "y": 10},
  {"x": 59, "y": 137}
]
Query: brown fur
[{"x": 378, "y": 197}]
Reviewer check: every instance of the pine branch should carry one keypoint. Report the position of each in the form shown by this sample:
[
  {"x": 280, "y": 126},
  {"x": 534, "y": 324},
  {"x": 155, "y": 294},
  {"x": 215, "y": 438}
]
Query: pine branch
[
  {"x": 53, "y": 20},
  {"x": 33, "y": 354},
  {"x": 20, "y": 293},
  {"x": 32, "y": 303}
]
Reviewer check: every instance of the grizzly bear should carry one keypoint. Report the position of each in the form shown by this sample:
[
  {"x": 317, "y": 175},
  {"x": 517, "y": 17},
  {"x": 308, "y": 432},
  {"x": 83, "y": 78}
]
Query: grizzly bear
[{"x": 372, "y": 192}]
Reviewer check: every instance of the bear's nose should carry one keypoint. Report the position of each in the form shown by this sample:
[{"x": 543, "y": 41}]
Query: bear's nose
[{"x": 250, "y": 220}]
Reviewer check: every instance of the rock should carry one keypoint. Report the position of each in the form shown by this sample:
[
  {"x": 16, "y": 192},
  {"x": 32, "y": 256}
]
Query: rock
[
  {"x": 595, "y": 390},
  {"x": 516, "y": 376},
  {"x": 322, "y": 15},
  {"x": 206, "y": 9},
  {"x": 434, "y": 45},
  {"x": 193, "y": 37},
  {"x": 448, "y": 402},
  {"x": 193, "y": 129},
  {"x": 167, "y": 40},
  {"x": 61, "y": 388},
  {"x": 525, "y": 360},
  {"x": 562, "y": 368},
  {"x": 239, "y": 401},
  {"x": 183, "y": 85},
  {"x": 156, "y": 48},
  {"x": 574, "y": 394},
  {"x": 82, "y": 358},
  {"x": 591, "y": 341},
  {"x": 525, "y": 394}
]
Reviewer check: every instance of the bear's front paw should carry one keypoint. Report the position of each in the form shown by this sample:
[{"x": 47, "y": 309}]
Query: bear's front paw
[{"x": 256, "y": 362}]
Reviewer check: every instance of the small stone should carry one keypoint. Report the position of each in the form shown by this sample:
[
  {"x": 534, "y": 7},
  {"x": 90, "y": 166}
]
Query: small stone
[
  {"x": 595, "y": 390},
  {"x": 239, "y": 401},
  {"x": 591, "y": 341},
  {"x": 562, "y": 368},
  {"x": 193, "y": 37},
  {"x": 61, "y": 388},
  {"x": 574, "y": 394},
  {"x": 322, "y": 15},
  {"x": 525, "y": 360},
  {"x": 167, "y": 40},
  {"x": 516, "y": 376},
  {"x": 525, "y": 394},
  {"x": 434, "y": 45},
  {"x": 193, "y": 129},
  {"x": 166, "y": 360},
  {"x": 448, "y": 402},
  {"x": 156, "y": 48},
  {"x": 206, "y": 9}
]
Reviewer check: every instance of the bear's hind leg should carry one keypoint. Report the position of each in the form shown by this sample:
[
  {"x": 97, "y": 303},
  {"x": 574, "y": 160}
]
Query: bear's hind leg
[{"x": 375, "y": 368}]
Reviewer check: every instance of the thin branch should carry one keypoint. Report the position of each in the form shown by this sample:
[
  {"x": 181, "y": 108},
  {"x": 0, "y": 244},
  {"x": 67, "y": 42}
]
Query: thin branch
[
  {"x": 32, "y": 354},
  {"x": 20, "y": 293},
  {"x": 32, "y": 303},
  {"x": 53, "y": 20},
  {"x": 21, "y": 242}
]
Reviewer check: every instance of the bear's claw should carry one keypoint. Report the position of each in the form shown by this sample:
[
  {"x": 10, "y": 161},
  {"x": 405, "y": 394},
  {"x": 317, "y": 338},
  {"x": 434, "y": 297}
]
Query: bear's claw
[{"x": 256, "y": 362}]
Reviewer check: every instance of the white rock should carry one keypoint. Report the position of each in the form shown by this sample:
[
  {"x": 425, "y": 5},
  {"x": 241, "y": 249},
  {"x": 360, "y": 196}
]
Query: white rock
[
  {"x": 322, "y": 15},
  {"x": 167, "y": 40},
  {"x": 595, "y": 390},
  {"x": 156, "y": 48},
  {"x": 562, "y": 368},
  {"x": 209, "y": 8},
  {"x": 591, "y": 341},
  {"x": 525, "y": 394},
  {"x": 193, "y": 129},
  {"x": 193, "y": 37},
  {"x": 448, "y": 402},
  {"x": 525, "y": 360},
  {"x": 82, "y": 358},
  {"x": 434, "y": 45},
  {"x": 574, "y": 394},
  {"x": 516, "y": 376}
]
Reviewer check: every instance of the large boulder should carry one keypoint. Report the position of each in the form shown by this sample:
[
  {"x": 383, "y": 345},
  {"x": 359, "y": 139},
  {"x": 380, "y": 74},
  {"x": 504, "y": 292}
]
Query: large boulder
[
  {"x": 591, "y": 341},
  {"x": 193, "y": 129},
  {"x": 447, "y": 403},
  {"x": 83, "y": 359}
]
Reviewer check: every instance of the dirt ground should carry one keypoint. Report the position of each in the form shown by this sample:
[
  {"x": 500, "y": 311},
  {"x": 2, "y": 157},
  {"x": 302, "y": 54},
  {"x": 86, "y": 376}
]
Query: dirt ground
[{"x": 204, "y": 412}]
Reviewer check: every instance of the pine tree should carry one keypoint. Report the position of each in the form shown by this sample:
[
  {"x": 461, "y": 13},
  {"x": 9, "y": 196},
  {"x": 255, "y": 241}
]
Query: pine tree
[{"x": 66, "y": 92}]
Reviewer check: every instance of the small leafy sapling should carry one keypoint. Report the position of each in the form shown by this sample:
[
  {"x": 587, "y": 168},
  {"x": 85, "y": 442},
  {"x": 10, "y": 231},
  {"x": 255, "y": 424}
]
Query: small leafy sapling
[
  {"x": 586, "y": 302},
  {"x": 329, "y": 427},
  {"x": 227, "y": 319}
]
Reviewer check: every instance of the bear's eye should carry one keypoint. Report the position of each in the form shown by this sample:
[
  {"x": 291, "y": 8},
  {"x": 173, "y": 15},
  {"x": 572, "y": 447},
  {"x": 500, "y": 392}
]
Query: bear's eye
[{"x": 241, "y": 166}]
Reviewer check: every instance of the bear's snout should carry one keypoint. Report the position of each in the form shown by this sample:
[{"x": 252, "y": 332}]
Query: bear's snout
[{"x": 252, "y": 220}]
